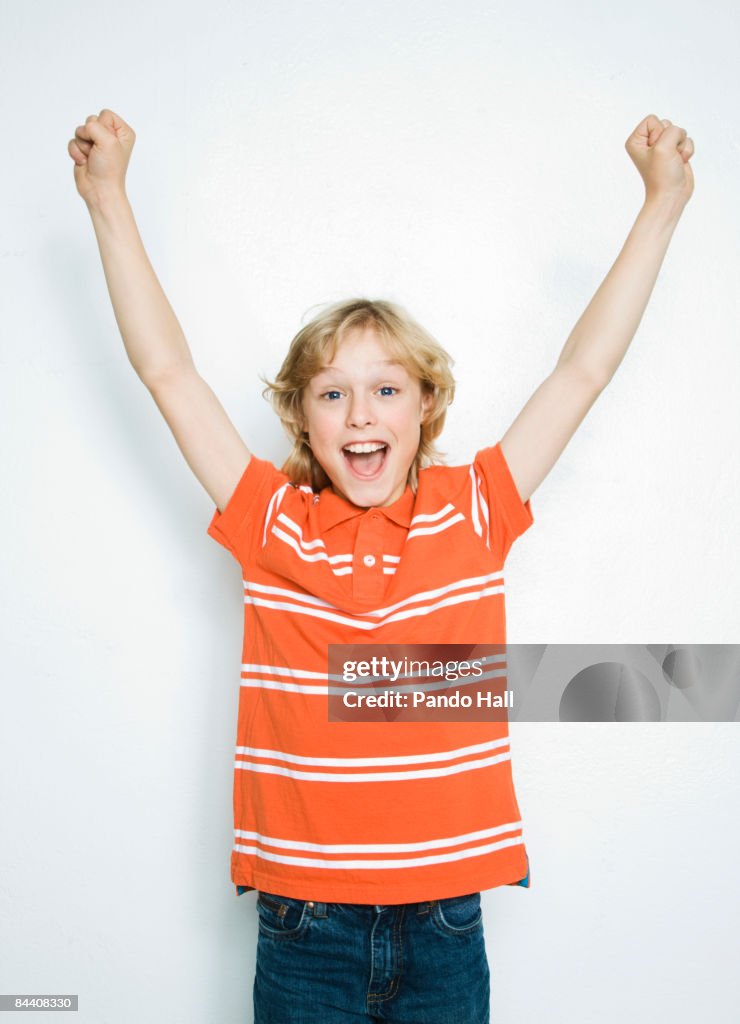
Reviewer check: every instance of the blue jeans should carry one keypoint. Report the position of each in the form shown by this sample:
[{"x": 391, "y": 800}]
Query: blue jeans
[{"x": 355, "y": 963}]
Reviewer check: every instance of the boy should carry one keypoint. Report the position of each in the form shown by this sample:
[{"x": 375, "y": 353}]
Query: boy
[{"x": 369, "y": 846}]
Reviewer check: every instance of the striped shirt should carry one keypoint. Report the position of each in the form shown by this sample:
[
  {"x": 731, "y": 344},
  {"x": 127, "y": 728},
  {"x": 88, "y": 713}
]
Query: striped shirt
[{"x": 369, "y": 812}]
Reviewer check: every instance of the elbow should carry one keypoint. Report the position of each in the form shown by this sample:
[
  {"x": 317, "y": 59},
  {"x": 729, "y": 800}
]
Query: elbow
[
  {"x": 594, "y": 378},
  {"x": 154, "y": 377}
]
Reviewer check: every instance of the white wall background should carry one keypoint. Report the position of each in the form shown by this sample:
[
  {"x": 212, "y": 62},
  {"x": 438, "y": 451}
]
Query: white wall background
[{"x": 466, "y": 160}]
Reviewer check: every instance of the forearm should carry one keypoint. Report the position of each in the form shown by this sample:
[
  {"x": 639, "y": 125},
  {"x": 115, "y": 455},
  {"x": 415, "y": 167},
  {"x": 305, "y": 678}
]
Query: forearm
[
  {"x": 598, "y": 342},
  {"x": 152, "y": 336}
]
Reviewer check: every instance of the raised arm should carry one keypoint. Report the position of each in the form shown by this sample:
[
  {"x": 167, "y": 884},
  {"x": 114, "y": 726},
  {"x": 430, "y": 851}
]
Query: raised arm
[
  {"x": 598, "y": 342},
  {"x": 152, "y": 336}
]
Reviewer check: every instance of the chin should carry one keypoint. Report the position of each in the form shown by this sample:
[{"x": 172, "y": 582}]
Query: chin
[
  {"x": 368, "y": 495},
  {"x": 365, "y": 497}
]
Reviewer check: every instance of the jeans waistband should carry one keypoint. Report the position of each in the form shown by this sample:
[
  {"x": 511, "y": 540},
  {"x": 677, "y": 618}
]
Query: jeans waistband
[{"x": 318, "y": 909}]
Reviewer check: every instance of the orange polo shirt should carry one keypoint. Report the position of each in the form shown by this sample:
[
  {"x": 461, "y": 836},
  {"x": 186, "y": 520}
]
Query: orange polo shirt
[{"x": 369, "y": 812}]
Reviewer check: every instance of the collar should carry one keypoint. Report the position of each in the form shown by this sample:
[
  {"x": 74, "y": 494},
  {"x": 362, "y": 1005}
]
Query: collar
[{"x": 334, "y": 510}]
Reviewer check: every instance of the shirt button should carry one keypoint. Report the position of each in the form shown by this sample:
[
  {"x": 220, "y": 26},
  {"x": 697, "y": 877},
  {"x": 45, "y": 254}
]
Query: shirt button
[{"x": 369, "y": 560}]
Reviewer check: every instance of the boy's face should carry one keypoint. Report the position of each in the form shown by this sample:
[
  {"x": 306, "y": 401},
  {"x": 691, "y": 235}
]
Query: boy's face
[{"x": 365, "y": 397}]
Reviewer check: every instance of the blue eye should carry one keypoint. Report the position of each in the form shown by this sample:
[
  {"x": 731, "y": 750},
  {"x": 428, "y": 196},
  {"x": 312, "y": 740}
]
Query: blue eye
[{"x": 385, "y": 388}]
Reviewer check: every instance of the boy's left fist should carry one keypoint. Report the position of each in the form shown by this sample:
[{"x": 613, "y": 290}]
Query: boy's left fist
[{"x": 661, "y": 152}]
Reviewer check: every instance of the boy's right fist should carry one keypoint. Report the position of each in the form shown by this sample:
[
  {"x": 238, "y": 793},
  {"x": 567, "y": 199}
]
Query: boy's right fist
[{"x": 101, "y": 149}]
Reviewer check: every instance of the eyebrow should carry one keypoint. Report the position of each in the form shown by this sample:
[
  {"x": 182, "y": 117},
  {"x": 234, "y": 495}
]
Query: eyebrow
[{"x": 381, "y": 364}]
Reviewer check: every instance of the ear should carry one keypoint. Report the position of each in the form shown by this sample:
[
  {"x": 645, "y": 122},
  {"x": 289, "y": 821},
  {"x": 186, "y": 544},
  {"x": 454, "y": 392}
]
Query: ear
[
  {"x": 427, "y": 401},
  {"x": 302, "y": 423}
]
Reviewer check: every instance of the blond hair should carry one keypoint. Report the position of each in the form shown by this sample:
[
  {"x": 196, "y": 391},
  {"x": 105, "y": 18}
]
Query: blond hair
[{"x": 316, "y": 344}]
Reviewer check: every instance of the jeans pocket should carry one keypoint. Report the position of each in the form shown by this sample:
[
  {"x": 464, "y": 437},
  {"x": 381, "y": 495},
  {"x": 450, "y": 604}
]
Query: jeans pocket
[
  {"x": 458, "y": 915},
  {"x": 282, "y": 917}
]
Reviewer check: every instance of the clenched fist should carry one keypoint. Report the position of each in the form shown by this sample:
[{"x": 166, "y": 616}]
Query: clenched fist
[
  {"x": 661, "y": 152},
  {"x": 101, "y": 149}
]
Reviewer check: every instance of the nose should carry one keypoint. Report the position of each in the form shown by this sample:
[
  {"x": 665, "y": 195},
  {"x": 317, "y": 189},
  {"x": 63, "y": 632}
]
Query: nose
[{"x": 359, "y": 412}]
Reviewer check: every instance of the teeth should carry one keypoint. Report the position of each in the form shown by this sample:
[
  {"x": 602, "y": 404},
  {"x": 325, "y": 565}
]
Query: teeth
[{"x": 363, "y": 448}]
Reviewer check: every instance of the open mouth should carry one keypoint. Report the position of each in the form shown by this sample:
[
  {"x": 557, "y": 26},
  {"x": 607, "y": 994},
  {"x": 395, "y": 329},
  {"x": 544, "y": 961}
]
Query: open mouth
[{"x": 366, "y": 461}]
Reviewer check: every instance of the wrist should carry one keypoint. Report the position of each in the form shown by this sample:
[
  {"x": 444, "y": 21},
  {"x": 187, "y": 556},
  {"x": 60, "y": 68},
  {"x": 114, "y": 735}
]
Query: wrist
[
  {"x": 664, "y": 207},
  {"x": 107, "y": 198}
]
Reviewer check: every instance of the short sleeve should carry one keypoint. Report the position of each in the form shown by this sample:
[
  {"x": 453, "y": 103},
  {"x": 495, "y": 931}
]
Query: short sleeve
[
  {"x": 503, "y": 516},
  {"x": 235, "y": 528}
]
